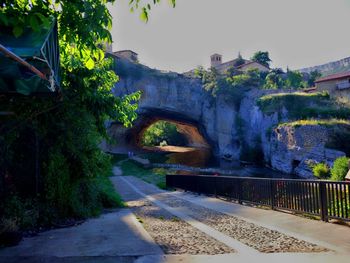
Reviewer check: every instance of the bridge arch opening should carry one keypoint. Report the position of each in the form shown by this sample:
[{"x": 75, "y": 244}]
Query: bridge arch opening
[
  {"x": 193, "y": 147},
  {"x": 182, "y": 142}
]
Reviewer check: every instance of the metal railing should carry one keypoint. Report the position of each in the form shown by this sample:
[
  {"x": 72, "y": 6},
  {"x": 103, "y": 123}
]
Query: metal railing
[{"x": 327, "y": 199}]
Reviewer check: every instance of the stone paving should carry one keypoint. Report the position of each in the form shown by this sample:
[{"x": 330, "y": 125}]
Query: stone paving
[
  {"x": 187, "y": 228},
  {"x": 174, "y": 235},
  {"x": 260, "y": 238}
]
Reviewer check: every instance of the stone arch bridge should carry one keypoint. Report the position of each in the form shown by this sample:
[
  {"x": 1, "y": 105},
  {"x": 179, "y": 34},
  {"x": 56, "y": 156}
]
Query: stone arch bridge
[{"x": 176, "y": 98}]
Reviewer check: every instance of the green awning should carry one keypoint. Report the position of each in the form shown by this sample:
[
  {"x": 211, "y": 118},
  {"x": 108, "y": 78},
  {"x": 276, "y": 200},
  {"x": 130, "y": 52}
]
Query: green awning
[{"x": 39, "y": 49}]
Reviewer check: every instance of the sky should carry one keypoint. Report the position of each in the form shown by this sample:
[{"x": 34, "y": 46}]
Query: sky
[{"x": 296, "y": 33}]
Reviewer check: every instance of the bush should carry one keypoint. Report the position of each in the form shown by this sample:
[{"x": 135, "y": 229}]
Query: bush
[
  {"x": 321, "y": 170},
  {"x": 340, "y": 169},
  {"x": 163, "y": 133}
]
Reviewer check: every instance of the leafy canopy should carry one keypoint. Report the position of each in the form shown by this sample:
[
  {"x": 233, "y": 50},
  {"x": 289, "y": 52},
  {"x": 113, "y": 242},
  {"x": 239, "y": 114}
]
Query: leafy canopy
[
  {"x": 262, "y": 57},
  {"x": 70, "y": 130}
]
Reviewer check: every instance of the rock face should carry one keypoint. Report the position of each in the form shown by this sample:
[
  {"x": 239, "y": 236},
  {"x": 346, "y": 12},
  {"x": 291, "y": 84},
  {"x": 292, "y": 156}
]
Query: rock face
[
  {"x": 331, "y": 67},
  {"x": 228, "y": 129},
  {"x": 294, "y": 148}
]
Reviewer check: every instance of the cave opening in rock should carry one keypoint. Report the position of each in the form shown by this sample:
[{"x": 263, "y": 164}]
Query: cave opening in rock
[{"x": 182, "y": 143}]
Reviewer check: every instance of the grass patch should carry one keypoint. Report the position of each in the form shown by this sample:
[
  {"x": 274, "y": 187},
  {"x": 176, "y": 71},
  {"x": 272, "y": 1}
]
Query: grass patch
[
  {"x": 154, "y": 176},
  {"x": 117, "y": 157},
  {"x": 273, "y": 102},
  {"x": 327, "y": 123},
  {"x": 304, "y": 105}
]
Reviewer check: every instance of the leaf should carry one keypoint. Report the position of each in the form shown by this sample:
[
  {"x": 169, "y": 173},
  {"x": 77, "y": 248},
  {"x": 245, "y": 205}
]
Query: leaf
[
  {"x": 4, "y": 19},
  {"x": 33, "y": 21},
  {"x": 90, "y": 64},
  {"x": 45, "y": 20},
  {"x": 144, "y": 15},
  {"x": 17, "y": 31},
  {"x": 172, "y": 2}
]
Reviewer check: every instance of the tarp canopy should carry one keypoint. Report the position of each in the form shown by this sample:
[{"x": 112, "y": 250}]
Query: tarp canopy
[{"x": 40, "y": 49}]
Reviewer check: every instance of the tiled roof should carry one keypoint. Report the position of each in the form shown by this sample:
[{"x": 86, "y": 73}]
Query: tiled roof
[
  {"x": 251, "y": 62},
  {"x": 334, "y": 77}
]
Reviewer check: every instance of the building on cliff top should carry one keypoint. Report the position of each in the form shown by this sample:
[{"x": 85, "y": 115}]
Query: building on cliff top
[
  {"x": 222, "y": 67},
  {"x": 338, "y": 85}
]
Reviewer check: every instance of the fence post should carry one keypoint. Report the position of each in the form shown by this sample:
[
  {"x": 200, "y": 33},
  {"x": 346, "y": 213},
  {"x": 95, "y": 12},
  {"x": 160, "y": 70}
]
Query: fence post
[
  {"x": 215, "y": 179},
  {"x": 197, "y": 179},
  {"x": 272, "y": 194},
  {"x": 323, "y": 202},
  {"x": 240, "y": 188}
]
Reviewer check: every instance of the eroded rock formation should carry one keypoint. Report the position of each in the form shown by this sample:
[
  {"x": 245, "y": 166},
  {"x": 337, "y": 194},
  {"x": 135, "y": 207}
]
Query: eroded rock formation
[{"x": 216, "y": 122}]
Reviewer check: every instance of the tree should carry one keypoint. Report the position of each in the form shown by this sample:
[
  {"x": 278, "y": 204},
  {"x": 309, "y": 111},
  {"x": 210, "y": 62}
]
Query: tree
[
  {"x": 209, "y": 79},
  {"x": 239, "y": 61},
  {"x": 262, "y": 58},
  {"x": 294, "y": 79},
  {"x": 315, "y": 74},
  {"x": 69, "y": 131},
  {"x": 273, "y": 81}
]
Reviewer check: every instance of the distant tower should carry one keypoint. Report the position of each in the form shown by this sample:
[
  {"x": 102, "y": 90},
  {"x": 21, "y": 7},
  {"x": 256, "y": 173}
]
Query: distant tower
[{"x": 215, "y": 60}]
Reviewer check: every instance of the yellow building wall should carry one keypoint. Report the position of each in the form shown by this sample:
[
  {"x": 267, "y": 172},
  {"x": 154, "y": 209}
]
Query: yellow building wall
[{"x": 331, "y": 87}]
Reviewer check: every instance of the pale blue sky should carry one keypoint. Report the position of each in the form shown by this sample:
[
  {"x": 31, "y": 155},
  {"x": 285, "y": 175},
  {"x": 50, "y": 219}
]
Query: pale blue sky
[{"x": 297, "y": 33}]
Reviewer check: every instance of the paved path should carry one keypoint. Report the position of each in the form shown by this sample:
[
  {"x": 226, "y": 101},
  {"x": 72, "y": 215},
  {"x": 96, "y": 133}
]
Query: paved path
[
  {"x": 334, "y": 236},
  {"x": 115, "y": 235},
  {"x": 119, "y": 237},
  {"x": 331, "y": 236}
]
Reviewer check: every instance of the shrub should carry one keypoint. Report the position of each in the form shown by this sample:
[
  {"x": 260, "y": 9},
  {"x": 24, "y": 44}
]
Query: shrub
[
  {"x": 340, "y": 169},
  {"x": 321, "y": 170}
]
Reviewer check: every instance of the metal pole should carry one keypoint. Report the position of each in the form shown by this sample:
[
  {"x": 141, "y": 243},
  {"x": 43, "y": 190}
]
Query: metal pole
[
  {"x": 22, "y": 62},
  {"x": 323, "y": 202}
]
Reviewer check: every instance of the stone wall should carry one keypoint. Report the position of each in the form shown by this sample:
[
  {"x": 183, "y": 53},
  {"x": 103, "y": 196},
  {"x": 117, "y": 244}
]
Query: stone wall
[{"x": 294, "y": 148}]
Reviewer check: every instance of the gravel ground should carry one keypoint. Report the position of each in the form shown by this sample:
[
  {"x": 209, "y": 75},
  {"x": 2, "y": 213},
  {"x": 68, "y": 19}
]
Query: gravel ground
[
  {"x": 260, "y": 238},
  {"x": 174, "y": 235}
]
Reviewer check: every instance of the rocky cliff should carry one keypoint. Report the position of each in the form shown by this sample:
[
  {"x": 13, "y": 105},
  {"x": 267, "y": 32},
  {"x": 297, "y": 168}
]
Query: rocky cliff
[
  {"x": 234, "y": 132},
  {"x": 331, "y": 67}
]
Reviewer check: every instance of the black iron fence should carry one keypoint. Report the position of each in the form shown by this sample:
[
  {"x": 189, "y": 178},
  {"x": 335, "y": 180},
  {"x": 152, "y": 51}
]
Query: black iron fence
[{"x": 327, "y": 199}]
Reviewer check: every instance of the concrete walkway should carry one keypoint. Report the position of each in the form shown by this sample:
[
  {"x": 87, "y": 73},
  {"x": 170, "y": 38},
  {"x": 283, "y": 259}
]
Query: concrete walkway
[
  {"x": 115, "y": 236},
  {"x": 334, "y": 236},
  {"x": 119, "y": 237}
]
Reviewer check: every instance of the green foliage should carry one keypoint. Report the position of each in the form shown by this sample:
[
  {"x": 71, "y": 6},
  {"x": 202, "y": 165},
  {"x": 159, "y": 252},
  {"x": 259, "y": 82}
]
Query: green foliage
[
  {"x": 273, "y": 81},
  {"x": 262, "y": 58},
  {"x": 340, "y": 169},
  {"x": 145, "y": 7},
  {"x": 321, "y": 122},
  {"x": 73, "y": 170},
  {"x": 239, "y": 61},
  {"x": 313, "y": 76},
  {"x": 209, "y": 79},
  {"x": 303, "y": 105},
  {"x": 294, "y": 79},
  {"x": 321, "y": 170},
  {"x": 231, "y": 85},
  {"x": 154, "y": 176},
  {"x": 162, "y": 131}
]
